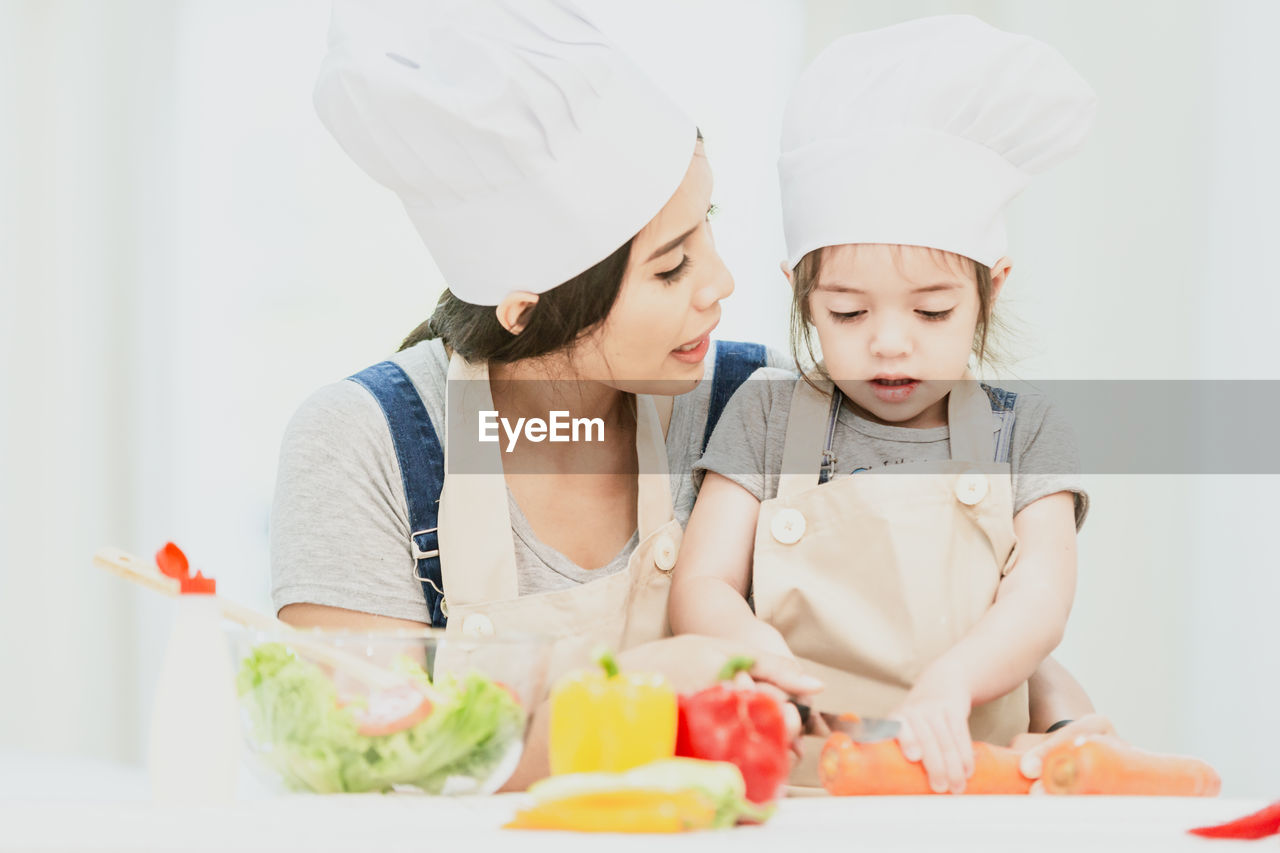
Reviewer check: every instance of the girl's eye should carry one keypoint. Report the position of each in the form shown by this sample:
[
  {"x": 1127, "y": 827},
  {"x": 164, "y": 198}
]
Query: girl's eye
[
  {"x": 846, "y": 316},
  {"x": 936, "y": 315},
  {"x": 712, "y": 211},
  {"x": 677, "y": 272}
]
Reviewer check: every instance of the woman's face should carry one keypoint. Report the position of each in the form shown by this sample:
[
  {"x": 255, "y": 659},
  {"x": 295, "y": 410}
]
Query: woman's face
[{"x": 656, "y": 336}]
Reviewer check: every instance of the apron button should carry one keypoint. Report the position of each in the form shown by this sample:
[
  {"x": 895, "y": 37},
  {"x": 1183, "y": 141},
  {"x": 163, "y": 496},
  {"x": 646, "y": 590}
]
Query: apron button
[
  {"x": 971, "y": 488},
  {"x": 477, "y": 625},
  {"x": 787, "y": 526},
  {"x": 664, "y": 554}
]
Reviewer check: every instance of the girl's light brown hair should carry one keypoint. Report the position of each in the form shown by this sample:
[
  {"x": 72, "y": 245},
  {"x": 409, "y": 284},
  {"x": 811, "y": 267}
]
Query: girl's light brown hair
[{"x": 804, "y": 280}]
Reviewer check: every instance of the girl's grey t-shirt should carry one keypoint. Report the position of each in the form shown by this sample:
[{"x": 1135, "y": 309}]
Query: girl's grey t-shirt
[
  {"x": 340, "y": 521},
  {"x": 748, "y": 442}
]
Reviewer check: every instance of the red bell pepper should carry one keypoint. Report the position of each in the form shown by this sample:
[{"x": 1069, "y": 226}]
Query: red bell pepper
[
  {"x": 1260, "y": 824},
  {"x": 742, "y": 726}
]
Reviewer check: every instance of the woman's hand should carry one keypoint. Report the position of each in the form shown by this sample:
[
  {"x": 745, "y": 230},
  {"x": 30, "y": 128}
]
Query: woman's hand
[
  {"x": 691, "y": 662},
  {"x": 1036, "y": 746},
  {"x": 935, "y": 728}
]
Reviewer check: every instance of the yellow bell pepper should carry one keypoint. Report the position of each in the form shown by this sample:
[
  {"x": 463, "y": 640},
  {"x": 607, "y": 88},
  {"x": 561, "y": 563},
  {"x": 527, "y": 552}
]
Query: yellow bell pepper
[
  {"x": 672, "y": 795},
  {"x": 621, "y": 811},
  {"x": 609, "y": 721}
]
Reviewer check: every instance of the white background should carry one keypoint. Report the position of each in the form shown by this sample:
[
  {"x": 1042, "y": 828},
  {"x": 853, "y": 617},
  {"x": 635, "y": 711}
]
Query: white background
[{"x": 185, "y": 254}]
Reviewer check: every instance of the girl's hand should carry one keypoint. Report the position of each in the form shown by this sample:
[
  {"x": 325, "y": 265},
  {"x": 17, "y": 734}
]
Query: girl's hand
[
  {"x": 935, "y": 728},
  {"x": 1037, "y": 746}
]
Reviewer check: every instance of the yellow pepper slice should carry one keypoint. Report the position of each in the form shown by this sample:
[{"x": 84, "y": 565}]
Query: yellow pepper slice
[
  {"x": 634, "y": 810},
  {"x": 608, "y": 721}
]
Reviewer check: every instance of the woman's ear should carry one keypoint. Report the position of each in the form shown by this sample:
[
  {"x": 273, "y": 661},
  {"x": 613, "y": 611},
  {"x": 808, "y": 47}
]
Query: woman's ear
[
  {"x": 786, "y": 270},
  {"x": 514, "y": 310},
  {"x": 999, "y": 275}
]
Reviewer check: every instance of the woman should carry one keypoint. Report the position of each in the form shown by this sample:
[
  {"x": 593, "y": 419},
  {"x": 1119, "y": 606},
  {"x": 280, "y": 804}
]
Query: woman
[{"x": 565, "y": 200}]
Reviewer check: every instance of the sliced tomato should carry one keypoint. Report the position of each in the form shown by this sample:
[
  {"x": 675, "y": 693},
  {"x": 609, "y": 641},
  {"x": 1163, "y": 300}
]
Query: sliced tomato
[
  {"x": 511, "y": 691},
  {"x": 392, "y": 710}
]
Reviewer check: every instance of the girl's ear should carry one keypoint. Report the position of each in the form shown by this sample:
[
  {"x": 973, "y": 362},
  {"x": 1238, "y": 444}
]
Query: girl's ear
[
  {"x": 999, "y": 275},
  {"x": 514, "y": 310},
  {"x": 786, "y": 270}
]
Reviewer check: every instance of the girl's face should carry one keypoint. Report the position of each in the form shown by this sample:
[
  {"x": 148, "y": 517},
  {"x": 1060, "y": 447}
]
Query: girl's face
[
  {"x": 656, "y": 336},
  {"x": 896, "y": 324}
]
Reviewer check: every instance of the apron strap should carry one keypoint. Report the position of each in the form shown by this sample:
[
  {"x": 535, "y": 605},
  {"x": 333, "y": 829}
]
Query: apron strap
[
  {"x": 969, "y": 421},
  {"x": 421, "y": 459},
  {"x": 654, "y": 508},
  {"x": 810, "y": 409},
  {"x": 475, "y": 522}
]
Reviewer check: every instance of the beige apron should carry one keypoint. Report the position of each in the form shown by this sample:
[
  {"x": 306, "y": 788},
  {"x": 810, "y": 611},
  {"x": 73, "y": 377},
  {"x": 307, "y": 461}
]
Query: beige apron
[
  {"x": 871, "y": 577},
  {"x": 478, "y": 567}
]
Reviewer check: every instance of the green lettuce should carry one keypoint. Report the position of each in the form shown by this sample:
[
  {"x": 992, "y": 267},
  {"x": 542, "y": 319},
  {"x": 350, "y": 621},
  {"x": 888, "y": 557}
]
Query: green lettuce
[{"x": 295, "y": 719}]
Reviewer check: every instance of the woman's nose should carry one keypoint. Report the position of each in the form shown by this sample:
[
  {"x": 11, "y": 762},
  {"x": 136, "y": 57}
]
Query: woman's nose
[{"x": 718, "y": 287}]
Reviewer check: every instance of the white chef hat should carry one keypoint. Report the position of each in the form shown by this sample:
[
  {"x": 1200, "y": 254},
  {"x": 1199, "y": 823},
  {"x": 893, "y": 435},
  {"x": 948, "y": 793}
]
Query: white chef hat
[
  {"x": 524, "y": 146},
  {"x": 921, "y": 133}
]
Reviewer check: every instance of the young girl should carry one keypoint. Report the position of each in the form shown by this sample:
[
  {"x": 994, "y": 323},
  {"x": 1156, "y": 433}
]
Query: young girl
[{"x": 932, "y": 597}]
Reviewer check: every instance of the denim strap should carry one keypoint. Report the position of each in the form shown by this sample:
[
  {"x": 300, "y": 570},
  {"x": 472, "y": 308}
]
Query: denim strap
[
  {"x": 735, "y": 361},
  {"x": 421, "y": 459}
]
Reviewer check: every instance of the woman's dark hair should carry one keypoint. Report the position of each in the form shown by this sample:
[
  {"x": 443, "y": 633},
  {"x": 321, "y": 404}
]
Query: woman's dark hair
[{"x": 560, "y": 317}]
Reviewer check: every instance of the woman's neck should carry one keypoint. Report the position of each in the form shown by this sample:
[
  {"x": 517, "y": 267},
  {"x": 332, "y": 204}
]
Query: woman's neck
[{"x": 535, "y": 386}]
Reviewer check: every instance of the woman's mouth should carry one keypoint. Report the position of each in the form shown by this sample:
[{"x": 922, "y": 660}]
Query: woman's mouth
[
  {"x": 694, "y": 352},
  {"x": 893, "y": 389}
]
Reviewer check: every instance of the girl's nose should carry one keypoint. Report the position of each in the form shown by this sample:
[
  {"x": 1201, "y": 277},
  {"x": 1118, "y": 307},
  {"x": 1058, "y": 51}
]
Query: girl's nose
[{"x": 890, "y": 340}]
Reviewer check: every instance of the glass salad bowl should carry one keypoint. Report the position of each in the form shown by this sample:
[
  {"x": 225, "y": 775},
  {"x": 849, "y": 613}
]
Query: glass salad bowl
[{"x": 331, "y": 711}]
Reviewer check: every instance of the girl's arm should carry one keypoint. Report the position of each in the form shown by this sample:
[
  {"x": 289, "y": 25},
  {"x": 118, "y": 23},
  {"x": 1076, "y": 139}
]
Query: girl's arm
[
  {"x": 1023, "y": 626},
  {"x": 1033, "y": 601},
  {"x": 713, "y": 572}
]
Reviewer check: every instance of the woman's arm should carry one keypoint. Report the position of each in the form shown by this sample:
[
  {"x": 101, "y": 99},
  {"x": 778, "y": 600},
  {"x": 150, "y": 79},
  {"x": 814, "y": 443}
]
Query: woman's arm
[
  {"x": 713, "y": 572},
  {"x": 323, "y": 616},
  {"x": 1055, "y": 696}
]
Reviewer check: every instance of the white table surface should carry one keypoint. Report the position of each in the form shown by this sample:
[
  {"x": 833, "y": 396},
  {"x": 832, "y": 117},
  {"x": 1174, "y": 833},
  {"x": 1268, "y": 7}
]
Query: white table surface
[
  {"x": 420, "y": 823},
  {"x": 49, "y": 803}
]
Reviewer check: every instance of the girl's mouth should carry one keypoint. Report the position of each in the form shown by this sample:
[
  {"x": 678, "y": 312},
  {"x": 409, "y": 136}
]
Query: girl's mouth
[{"x": 893, "y": 389}]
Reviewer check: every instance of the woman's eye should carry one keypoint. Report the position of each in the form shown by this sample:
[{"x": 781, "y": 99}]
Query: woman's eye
[
  {"x": 936, "y": 315},
  {"x": 677, "y": 272},
  {"x": 846, "y": 316},
  {"x": 712, "y": 210}
]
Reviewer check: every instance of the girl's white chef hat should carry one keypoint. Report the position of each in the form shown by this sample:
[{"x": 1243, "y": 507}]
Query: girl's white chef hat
[
  {"x": 921, "y": 133},
  {"x": 524, "y": 146}
]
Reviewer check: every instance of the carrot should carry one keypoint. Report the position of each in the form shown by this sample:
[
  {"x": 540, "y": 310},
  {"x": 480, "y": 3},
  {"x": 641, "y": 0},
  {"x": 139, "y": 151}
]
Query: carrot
[
  {"x": 848, "y": 768},
  {"x": 1108, "y": 765}
]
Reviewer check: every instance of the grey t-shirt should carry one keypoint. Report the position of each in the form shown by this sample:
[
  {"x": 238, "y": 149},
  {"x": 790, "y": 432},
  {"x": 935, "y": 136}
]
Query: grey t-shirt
[
  {"x": 748, "y": 442},
  {"x": 340, "y": 521}
]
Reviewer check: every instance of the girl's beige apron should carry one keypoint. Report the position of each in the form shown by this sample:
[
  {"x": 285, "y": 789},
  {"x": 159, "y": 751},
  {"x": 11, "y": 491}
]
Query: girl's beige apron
[
  {"x": 871, "y": 577},
  {"x": 477, "y": 556}
]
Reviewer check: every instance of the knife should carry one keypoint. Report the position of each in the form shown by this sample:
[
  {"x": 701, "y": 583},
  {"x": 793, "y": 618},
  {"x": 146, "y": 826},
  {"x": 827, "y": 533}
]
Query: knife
[{"x": 859, "y": 729}]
